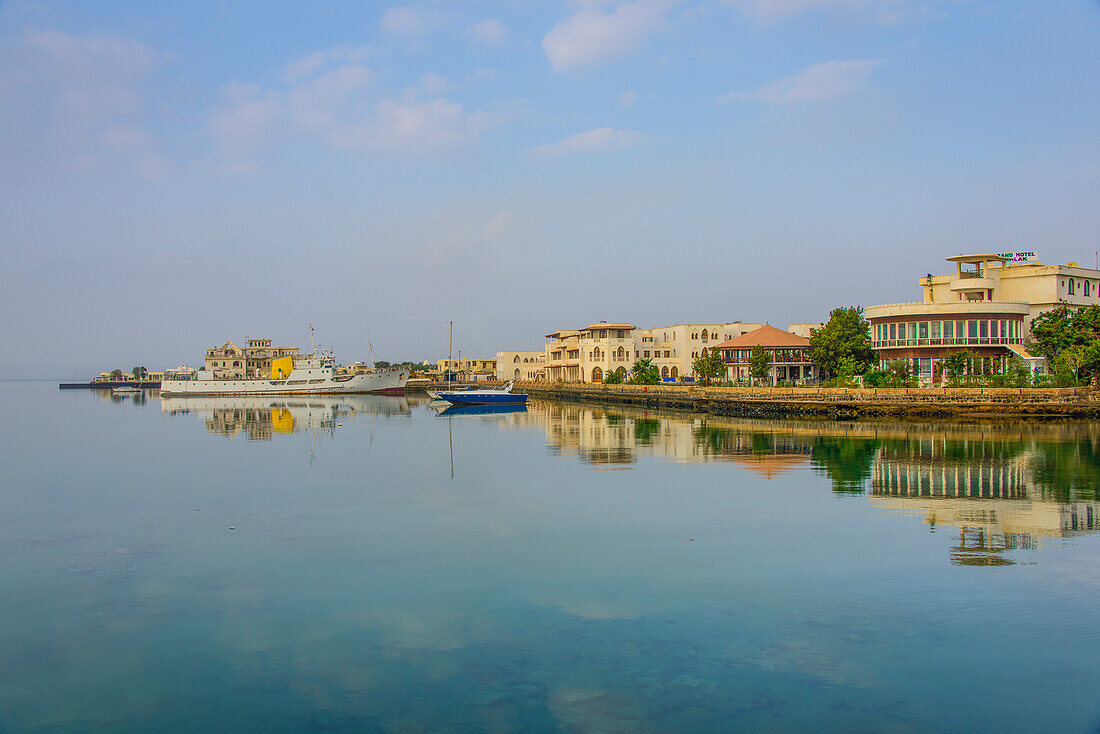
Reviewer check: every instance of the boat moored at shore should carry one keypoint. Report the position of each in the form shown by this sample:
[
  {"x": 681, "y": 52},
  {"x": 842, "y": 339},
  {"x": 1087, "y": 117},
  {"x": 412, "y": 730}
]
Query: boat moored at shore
[{"x": 312, "y": 375}]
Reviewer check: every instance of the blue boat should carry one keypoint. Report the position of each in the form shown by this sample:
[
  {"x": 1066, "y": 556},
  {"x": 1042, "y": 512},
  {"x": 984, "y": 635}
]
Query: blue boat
[{"x": 503, "y": 396}]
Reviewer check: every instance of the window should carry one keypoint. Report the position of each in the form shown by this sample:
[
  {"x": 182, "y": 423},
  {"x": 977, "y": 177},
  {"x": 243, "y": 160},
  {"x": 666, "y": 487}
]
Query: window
[
  {"x": 972, "y": 330},
  {"x": 984, "y": 327},
  {"x": 1071, "y": 286},
  {"x": 912, "y": 329},
  {"x": 994, "y": 329},
  {"x": 645, "y": 354},
  {"x": 893, "y": 331},
  {"x": 936, "y": 326},
  {"x": 922, "y": 332}
]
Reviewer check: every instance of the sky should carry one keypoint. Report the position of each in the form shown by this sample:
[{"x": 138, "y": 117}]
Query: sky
[{"x": 174, "y": 175}]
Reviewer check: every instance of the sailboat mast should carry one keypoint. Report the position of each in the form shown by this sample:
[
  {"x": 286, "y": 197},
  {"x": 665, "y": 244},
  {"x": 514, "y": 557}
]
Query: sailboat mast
[{"x": 450, "y": 344}]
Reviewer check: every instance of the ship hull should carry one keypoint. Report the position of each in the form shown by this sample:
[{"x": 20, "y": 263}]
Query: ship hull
[{"x": 388, "y": 382}]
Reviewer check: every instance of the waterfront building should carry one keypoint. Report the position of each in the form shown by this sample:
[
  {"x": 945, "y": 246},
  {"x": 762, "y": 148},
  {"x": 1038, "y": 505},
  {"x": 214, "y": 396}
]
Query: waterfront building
[
  {"x": 520, "y": 365},
  {"x": 258, "y": 356},
  {"x": 985, "y": 307},
  {"x": 470, "y": 369},
  {"x": 230, "y": 362},
  {"x": 789, "y": 353},
  {"x": 805, "y": 329},
  {"x": 225, "y": 362},
  {"x": 586, "y": 355},
  {"x": 673, "y": 349}
]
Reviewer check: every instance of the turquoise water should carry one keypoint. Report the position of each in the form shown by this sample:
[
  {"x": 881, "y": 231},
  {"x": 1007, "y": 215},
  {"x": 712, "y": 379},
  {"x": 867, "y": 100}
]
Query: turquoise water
[{"x": 364, "y": 564}]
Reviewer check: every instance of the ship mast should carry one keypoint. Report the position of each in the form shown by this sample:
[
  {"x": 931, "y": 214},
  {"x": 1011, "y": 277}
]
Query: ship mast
[{"x": 450, "y": 341}]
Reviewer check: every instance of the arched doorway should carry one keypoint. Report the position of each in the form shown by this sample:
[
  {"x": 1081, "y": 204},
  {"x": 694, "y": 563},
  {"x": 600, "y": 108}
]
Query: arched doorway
[
  {"x": 664, "y": 372},
  {"x": 515, "y": 375},
  {"x": 622, "y": 372},
  {"x": 597, "y": 374},
  {"x": 674, "y": 373}
]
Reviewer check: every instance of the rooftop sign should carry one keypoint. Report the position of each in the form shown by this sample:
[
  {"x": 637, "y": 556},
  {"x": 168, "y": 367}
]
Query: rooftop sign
[{"x": 1017, "y": 257}]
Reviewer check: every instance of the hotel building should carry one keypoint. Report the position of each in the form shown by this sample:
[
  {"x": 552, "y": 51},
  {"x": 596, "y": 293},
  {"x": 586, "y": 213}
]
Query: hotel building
[{"x": 986, "y": 307}]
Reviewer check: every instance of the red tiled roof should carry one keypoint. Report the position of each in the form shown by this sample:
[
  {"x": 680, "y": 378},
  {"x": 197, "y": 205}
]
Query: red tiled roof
[{"x": 766, "y": 336}]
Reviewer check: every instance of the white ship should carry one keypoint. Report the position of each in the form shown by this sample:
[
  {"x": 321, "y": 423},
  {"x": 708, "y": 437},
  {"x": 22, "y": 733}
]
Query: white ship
[{"x": 312, "y": 375}]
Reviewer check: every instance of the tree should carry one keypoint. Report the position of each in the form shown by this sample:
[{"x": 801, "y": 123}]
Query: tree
[
  {"x": 1055, "y": 332},
  {"x": 708, "y": 366},
  {"x": 381, "y": 364},
  {"x": 116, "y": 374},
  {"x": 956, "y": 363},
  {"x": 760, "y": 362},
  {"x": 899, "y": 373},
  {"x": 139, "y": 373},
  {"x": 1072, "y": 359},
  {"x": 612, "y": 378},
  {"x": 844, "y": 343},
  {"x": 645, "y": 372}
]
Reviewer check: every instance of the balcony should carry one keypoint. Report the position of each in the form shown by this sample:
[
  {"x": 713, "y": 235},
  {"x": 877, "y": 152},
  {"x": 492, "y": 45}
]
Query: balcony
[
  {"x": 968, "y": 283},
  {"x": 978, "y": 341}
]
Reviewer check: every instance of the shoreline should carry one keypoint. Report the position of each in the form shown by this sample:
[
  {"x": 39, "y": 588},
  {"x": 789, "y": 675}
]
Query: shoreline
[{"x": 839, "y": 403}]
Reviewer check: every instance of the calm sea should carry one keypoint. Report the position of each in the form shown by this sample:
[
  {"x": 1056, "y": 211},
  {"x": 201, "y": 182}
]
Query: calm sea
[{"x": 366, "y": 564}]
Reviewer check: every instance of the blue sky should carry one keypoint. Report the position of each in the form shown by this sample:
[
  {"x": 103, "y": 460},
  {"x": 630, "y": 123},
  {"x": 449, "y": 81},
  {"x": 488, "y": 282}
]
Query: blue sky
[{"x": 175, "y": 175}]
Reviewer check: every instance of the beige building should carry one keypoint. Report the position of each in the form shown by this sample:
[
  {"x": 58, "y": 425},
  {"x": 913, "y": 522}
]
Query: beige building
[
  {"x": 469, "y": 368},
  {"x": 586, "y": 355},
  {"x": 673, "y": 349},
  {"x": 805, "y": 329},
  {"x": 522, "y": 365},
  {"x": 230, "y": 362},
  {"x": 985, "y": 307},
  {"x": 1010, "y": 277}
]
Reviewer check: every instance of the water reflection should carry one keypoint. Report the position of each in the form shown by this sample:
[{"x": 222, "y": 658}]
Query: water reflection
[
  {"x": 1004, "y": 487},
  {"x": 261, "y": 418}
]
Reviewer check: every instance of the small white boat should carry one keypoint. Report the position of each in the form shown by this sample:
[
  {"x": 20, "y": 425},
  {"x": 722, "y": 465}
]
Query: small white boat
[{"x": 126, "y": 389}]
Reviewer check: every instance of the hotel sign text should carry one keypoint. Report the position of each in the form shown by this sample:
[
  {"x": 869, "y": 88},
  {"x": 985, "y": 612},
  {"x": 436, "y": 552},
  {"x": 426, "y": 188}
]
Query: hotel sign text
[{"x": 1017, "y": 257}]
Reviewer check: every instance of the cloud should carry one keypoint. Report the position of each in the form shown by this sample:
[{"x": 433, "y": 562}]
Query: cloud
[
  {"x": 408, "y": 124},
  {"x": 813, "y": 84},
  {"x": 627, "y": 98},
  {"x": 137, "y": 144},
  {"x": 88, "y": 76},
  {"x": 593, "y": 36},
  {"x": 499, "y": 226},
  {"x": 410, "y": 21},
  {"x": 488, "y": 32},
  {"x": 885, "y": 11},
  {"x": 331, "y": 97},
  {"x": 600, "y": 139},
  {"x": 308, "y": 65},
  {"x": 77, "y": 101}
]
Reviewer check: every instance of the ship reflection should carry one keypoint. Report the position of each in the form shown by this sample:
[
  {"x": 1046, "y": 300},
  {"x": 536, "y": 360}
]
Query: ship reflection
[{"x": 261, "y": 418}]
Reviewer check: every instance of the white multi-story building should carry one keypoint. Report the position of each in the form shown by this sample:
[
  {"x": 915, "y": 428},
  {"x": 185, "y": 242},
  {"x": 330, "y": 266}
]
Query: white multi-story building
[
  {"x": 521, "y": 365},
  {"x": 673, "y": 349},
  {"x": 586, "y": 355}
]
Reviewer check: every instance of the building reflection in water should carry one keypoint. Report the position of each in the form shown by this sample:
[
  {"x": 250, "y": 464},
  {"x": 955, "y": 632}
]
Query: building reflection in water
[
  {"x": 261, "y": 418},
  {"x": 1004, "y": 487},
  {"x": 994, "y": 485}
]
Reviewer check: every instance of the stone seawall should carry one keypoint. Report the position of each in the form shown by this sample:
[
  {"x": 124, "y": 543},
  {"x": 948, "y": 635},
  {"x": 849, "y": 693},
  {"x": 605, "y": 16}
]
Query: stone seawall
[{"x": 844, "y": 403}]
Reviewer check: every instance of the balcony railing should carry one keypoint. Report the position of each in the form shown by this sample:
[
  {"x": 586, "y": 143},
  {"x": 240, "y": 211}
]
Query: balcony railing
[{"x": 979, "y": 341}]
